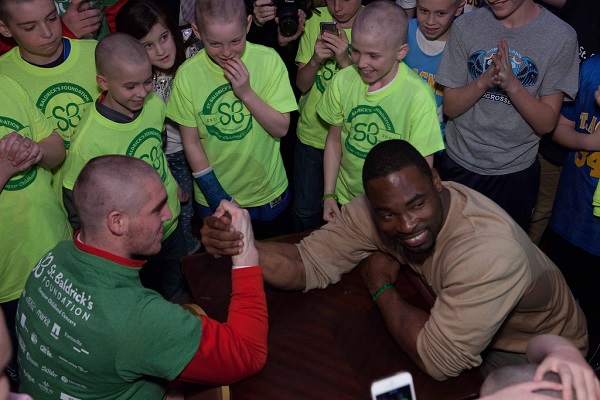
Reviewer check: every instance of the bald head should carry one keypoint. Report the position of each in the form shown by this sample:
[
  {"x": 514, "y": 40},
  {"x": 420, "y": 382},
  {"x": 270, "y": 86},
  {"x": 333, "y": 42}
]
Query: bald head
[
  {"x": 504, "y": 377},
  {"x": 116, "y": 49},
  {"x": 208, "y": 11},
  {"x": 110, "y": 183},
  {"x": 382, "y": 19}
]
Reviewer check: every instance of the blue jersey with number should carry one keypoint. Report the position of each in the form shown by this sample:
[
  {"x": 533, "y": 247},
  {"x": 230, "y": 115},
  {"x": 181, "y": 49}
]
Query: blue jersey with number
[{"x": 572, "y": 216}]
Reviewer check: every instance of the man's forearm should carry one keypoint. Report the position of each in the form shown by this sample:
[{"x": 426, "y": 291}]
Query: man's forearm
[
  {"x": 282, "y": 265},
  {"x": 404, "y": 321}
]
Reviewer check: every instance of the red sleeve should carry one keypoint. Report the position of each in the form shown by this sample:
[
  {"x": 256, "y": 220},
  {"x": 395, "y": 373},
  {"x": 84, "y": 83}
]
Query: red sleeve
[
  {"x": 6, "y": 44},
  {"x": 236, "y": 349},
  {"x": 66, "y": 31},
  {"x": 110, "y": 13}
]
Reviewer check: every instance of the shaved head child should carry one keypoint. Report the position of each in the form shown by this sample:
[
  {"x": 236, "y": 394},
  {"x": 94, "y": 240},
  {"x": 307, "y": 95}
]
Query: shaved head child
[
  {"x": 128, "y": 119},
  {"x": 377, "y": 99}
]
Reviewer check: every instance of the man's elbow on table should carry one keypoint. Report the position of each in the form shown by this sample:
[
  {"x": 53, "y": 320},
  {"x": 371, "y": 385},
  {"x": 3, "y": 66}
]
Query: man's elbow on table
[{"x": 442, "y": 365}]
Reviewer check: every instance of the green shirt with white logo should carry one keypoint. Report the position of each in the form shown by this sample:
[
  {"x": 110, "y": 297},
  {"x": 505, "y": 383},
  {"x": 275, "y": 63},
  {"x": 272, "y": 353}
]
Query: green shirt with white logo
[
  {"x": 88, "y": 329},
  {"x": 32, "y": 220},
  {"x": 404, "y": 109}
]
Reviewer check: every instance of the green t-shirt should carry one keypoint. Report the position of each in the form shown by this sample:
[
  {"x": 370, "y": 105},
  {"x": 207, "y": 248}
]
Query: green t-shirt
[
  {"x": 141, "y": 138},
  {"x": 404, "y": 109},
  {"x": 312, "y": 130},
  {"x": 89, "y": 329},
  {"x": 32, "y": 220},
  {"x": 63, "y": 93},
  {"x": 245, "y": 158}
]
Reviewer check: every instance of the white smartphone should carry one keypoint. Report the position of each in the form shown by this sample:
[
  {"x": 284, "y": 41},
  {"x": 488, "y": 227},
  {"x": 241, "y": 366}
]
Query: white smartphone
[{"x": 396, "y": 387}]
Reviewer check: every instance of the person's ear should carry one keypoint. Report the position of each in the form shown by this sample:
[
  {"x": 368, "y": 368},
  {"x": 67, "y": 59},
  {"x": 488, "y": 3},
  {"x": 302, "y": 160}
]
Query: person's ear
[
  {"x": 117, "y": 223},
  {"x": 402, "y": 52},
  {"x": 196, "y": 31},
  {"x": 437, "y": 181},
  {"x": 101, "y": 81},
  {"x": 4, "y": 29},
  {"x": 460, "y": 8},
  {"x": 248, "y": 24}
]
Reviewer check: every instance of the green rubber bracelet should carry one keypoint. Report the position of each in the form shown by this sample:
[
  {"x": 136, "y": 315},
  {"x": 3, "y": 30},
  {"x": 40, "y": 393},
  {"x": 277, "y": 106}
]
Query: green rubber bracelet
[
  {"x": 335, "y": 196},
  {"x": 381, "y": 290}
]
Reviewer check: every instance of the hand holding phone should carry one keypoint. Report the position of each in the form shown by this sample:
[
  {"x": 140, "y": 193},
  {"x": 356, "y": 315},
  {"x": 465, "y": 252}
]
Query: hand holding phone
[
  {"x": 396, "y": 387},
  {"x": 329, "y": 27}
]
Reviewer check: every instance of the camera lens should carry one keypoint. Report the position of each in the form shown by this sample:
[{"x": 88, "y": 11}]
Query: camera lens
[{"x": 288, "y": 20}]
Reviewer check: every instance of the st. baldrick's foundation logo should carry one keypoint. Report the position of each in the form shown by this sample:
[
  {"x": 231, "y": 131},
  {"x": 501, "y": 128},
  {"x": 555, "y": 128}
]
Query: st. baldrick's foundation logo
[
  {"x": 147, "y": 146},
  {"x": 225, "y": 116},
  {"x": 64, "y": 104},
  {"x": 367, "y": 126}
]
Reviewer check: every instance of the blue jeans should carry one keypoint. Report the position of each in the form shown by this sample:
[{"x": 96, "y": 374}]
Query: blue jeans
[
  {"x": 269, "y": 220},
  {"x": 308, "y": 187},
  {"x": 183, "y": 175},
  {"x": 162, "y": 271}
]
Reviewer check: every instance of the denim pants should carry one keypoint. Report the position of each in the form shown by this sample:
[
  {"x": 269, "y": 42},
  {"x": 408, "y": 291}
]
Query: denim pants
[
  {"x": 308, "y": 187},
  {"x": 269, "y": 220},
  {"x": 162, "y": 271},
  {"x": 183, "y": 175}
]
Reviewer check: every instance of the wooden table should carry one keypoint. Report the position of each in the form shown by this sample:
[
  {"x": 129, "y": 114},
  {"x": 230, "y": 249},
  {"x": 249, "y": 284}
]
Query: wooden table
[{"x": 323, "y": 344}]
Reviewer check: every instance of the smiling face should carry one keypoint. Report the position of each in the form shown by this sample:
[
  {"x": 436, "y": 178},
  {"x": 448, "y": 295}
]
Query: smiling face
[
  {"x": 344, "y": 11},
  {"x": 509, "y": 9},
  {"x": 224, "y": 40},
  {"x": 36, "y": 28},
  {"x": 377, "y": 60},
  {"x": 407, "y": 207},
  {"x": 160, "y": 46},
  {"x": 127, "y": 86},
  {"x": 435, "y": 17}
]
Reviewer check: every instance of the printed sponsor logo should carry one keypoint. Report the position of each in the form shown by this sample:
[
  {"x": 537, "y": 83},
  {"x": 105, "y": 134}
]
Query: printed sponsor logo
[
  {"x": 55, "y": 331},
  {"x": 45, "y": 350}
]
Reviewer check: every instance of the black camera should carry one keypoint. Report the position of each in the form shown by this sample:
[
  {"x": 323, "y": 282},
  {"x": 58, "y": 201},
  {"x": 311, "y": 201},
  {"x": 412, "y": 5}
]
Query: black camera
[{"x": 287, "y": 12}]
